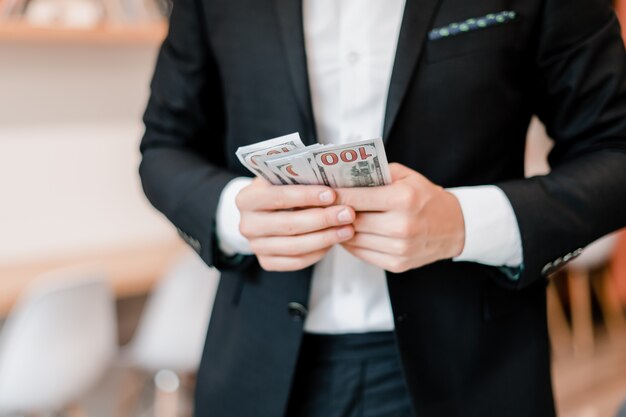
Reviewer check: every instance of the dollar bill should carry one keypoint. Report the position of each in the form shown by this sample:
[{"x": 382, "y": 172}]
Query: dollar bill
[
  {"x": 296, "y": 167},
  {"x": 285, "y": 160},
  {"x": 355, "y": 164},
  {"x": 251, "y": 156}
]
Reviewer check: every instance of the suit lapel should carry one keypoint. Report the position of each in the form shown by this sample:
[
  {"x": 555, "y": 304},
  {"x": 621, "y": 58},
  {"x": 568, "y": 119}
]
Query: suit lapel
[
  {"x": 292, "y": 35},
  {"x": 415, "y": 24}
]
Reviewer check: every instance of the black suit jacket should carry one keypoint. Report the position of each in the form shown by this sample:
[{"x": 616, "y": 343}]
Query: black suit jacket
[{"x": 472, "y": 338}]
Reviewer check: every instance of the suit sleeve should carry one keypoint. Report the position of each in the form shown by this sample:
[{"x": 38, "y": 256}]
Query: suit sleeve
[
  {"x": 183, "y": 152},
  {"x": 580, "y": 94}
]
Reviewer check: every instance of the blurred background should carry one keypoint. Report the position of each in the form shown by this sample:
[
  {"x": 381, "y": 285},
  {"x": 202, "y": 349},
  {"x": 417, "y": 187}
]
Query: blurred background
[{"x": 103, "y": 310}]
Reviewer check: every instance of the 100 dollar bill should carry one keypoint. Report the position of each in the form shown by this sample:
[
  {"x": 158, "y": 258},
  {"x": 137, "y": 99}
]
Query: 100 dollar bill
[
  {"x": 285, "y": 160},
  {"x": 252, "y": 156},
  {"x": 356, "y": 164},
  {"x": 296, "y": 167}
]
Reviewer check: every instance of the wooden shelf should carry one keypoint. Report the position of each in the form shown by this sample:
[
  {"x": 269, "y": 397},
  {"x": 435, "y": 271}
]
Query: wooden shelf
[{"x": 23, "y": 32}]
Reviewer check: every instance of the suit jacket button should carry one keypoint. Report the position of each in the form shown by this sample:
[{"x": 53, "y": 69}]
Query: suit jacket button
[
  {"x": 297, "y": 311},
  {"x": 401, "y": 317}
]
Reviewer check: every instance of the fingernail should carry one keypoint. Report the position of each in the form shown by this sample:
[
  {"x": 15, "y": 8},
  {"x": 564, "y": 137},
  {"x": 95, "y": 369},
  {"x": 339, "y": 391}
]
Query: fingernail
[
  {"x": 326, "y": 197},
  {"x": 344, "y": 233},
  {"x": 344, "y": 216}
]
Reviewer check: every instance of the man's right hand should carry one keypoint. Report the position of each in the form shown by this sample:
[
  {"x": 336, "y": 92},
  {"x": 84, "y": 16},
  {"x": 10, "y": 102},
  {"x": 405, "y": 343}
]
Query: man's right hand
[{"x": 291, "y": 227}]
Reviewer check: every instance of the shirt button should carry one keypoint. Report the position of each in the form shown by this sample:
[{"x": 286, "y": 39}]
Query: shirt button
[
  {"x": 347, "y": 289},
  {"x": 353, "y": 57}
]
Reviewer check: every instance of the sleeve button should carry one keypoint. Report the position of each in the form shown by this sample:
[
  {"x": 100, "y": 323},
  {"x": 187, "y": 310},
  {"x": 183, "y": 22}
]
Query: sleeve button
[{"x": 547, "y": 269}]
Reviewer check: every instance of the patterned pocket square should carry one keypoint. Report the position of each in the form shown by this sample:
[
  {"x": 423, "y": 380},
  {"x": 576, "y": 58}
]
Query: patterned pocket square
[{"x": 475, "y": 23}]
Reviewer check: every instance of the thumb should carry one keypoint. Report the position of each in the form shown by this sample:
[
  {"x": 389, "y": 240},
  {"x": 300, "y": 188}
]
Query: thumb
[{"x": 399, "y": 171}]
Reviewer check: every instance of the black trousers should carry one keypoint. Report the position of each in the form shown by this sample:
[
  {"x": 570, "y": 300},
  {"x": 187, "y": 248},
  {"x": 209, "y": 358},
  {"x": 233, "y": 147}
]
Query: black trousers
[{"x": 352, "y": 375}]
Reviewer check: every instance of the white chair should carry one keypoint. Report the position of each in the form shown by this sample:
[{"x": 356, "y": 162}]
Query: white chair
[
  {"x": 57, "y": 343},
  {"x": 169, "y": 339}
]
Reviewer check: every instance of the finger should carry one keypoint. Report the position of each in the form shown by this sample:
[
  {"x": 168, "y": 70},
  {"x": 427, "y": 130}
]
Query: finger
[
  {"x": 388, "y": 223},
  {"x": 290, "y": 263},
  {"x": 402, "y": 194},
  {"x": 381, "y": 260},
  {"x": 301, "y": 245},
  {"x": 260, "y": 181},
  {"x": 381, "y": 244},
  {"x": 283, "y": 197},
  {"x": 289, "y": 223},
  {"x": 367, "y": 198},
  {"x": 399, "y": 171}
]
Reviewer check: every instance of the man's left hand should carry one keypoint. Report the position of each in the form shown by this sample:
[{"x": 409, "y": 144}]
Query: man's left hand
[{"x": 405, "y": 225}]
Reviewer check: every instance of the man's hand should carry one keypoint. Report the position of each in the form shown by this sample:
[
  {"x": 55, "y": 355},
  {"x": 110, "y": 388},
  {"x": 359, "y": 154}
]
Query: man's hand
[
  {"x": 405, "y": 225},
  {"x": 291, "y": 227}
]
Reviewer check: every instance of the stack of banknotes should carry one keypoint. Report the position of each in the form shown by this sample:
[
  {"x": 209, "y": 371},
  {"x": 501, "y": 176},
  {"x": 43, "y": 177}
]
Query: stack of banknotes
[{"x": 285, "y": 160}]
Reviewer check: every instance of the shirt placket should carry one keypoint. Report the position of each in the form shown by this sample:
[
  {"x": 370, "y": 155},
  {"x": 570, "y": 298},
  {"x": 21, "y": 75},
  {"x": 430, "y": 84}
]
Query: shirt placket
[{"x": 355, "y": 87}]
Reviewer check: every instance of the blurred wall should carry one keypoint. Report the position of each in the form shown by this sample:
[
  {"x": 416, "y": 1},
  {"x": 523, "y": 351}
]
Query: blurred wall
[
  {"x": 621, "y": 13},
  {"x": 69, "y": 134}
]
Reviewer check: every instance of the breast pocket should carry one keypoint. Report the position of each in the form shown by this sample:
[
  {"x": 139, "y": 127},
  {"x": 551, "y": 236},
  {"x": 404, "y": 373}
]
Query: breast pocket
[{"x": 473, "y": 36}]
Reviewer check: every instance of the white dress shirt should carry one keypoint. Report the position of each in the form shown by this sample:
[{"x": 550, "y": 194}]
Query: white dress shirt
[{"x": 351, "y": 45}]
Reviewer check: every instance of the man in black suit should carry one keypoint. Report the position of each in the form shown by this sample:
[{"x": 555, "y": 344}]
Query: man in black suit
[{"x": 469, "y": 331}]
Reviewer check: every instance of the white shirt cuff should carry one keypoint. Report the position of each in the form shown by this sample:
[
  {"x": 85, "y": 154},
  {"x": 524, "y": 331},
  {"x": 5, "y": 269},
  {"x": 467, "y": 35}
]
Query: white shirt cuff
[
  {"x": 230, "y": 240},
  {"x": 492, "y": 235}
]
